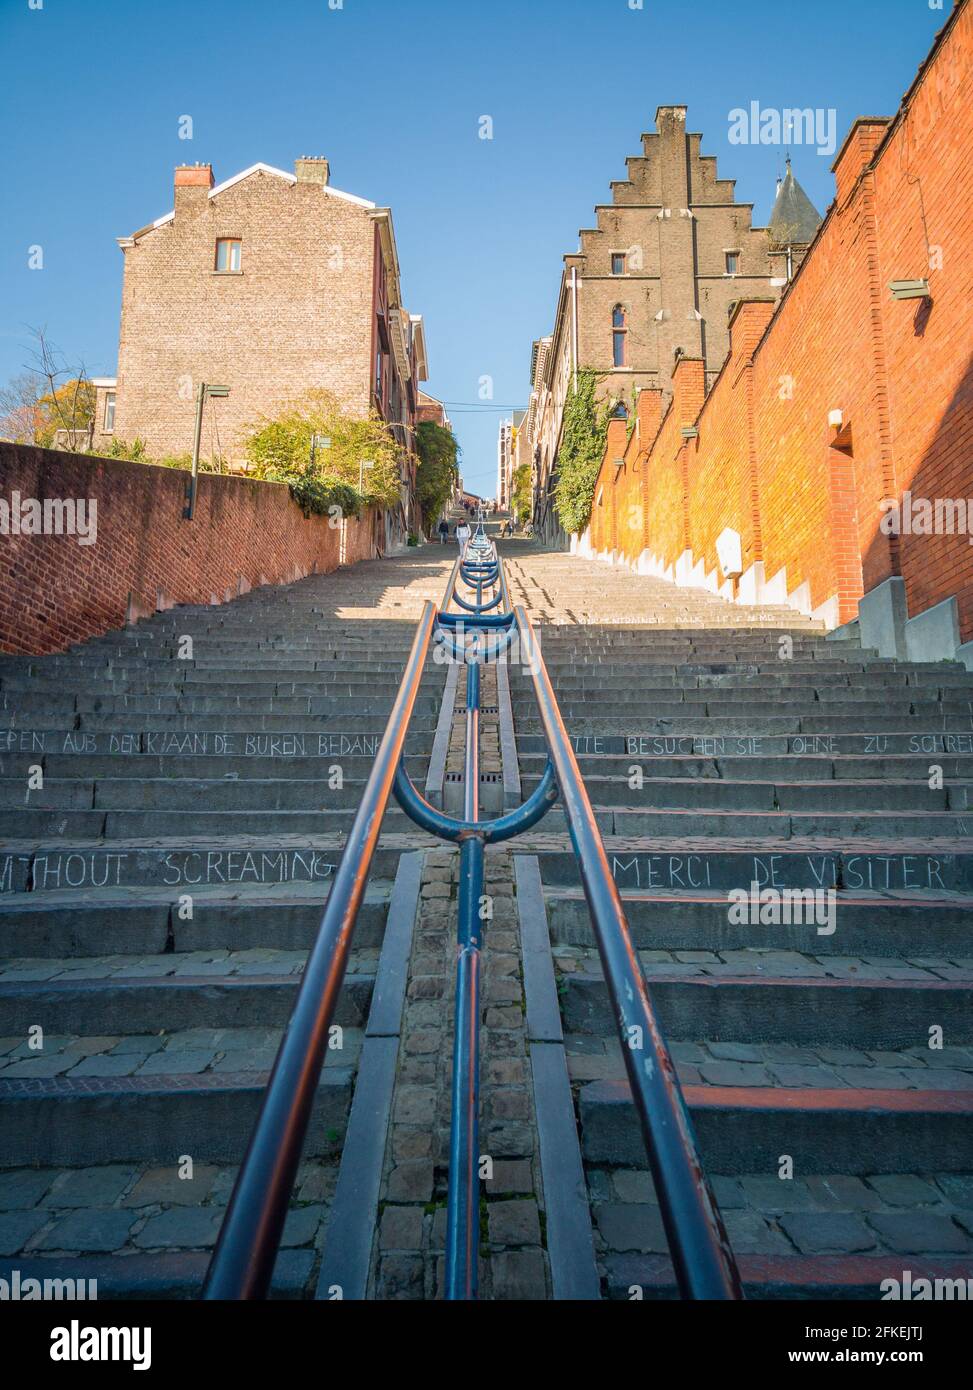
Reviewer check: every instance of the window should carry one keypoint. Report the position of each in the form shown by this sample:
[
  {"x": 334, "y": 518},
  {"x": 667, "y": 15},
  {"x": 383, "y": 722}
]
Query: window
[
  {"x": 620, "y": 412},
  {"x": 228, "y": 256},
  {"x": 378, "y": 375},
  {"x": 732, "y": 262},
  {"x": 619, "y": 333},
  {"x": 109, "y": 412},
  {"x": 618, "y": 262}
]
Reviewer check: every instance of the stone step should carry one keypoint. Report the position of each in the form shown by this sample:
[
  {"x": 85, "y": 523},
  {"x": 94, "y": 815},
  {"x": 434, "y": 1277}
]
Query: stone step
[
  {"x": 749, "y": 997},
  {"x": 181, "y": 865},
  {"x": 917, "y": 866},
  {"x": 714, "y": 793},
  {"x": 283, "y": 735},
  {"x": 732, "y": 767},
  {"x": 188, "y": 793},
  {"x": 746, "y": 1129},
  {"x": 872, "y": 749},
  {"x": 815, "y": 729},
  {"x": 774, "y": 826},
  {"x": 62, "y": 924},
  {"x": 863, "y": 711},
  {"x": 123, "y": 825},
  {"x": 146, "y": 1231},
  {"x": 867, "y": 924},
  {"x": 135, "y": 766},
  {"x": 816, "y": 1277},
  {"x": 817, "y": 1235},
  {"x": 247, "y": 989},
  {"x": 344, "y": 705},
  {"x": 117, "y": 1119}
]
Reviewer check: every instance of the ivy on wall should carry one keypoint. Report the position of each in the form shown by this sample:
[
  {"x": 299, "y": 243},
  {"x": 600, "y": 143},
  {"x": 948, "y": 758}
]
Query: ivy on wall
[{"x": 579, "y": 458}]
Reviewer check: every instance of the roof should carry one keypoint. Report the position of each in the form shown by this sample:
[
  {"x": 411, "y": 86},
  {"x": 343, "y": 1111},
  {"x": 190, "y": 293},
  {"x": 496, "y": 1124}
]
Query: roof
[
  {"x": 794, "y": 214},
  {"x": 257, "y": 168}
]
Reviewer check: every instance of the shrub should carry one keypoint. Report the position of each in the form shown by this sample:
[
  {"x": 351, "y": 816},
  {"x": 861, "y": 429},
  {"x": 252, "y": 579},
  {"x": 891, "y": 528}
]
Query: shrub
[{"x": 579, "y": 458}]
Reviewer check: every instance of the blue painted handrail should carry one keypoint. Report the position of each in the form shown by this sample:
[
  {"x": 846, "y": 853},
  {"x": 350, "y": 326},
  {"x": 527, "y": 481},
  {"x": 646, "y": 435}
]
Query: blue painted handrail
[{"x": 245, "y": 1253}]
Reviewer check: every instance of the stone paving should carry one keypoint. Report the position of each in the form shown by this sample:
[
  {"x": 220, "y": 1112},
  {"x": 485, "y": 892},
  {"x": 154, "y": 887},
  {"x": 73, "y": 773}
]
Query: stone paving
[
  {"x": 130, "y": 1209},
  {"x": 221, "y": 962},
  {"x": 775, "y": 964},
  {"x": 825, "y": 1214},
  {"x": 189, "y": 1052},
  {"x": 785, "y": 1065}
]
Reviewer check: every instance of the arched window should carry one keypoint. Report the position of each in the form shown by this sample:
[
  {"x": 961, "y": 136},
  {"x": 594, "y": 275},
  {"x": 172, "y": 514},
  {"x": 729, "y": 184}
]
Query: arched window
[
  {"x": 620, "y": 411},
  {"x": 619, "y": 333}
]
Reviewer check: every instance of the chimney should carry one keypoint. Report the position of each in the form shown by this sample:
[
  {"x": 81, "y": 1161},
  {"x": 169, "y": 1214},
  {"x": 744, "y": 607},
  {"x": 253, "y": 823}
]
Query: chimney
[
  {"x": 856, "y": 153},
  {"x": 193, "y": 182},
  {"x": 312, "y": 169}
]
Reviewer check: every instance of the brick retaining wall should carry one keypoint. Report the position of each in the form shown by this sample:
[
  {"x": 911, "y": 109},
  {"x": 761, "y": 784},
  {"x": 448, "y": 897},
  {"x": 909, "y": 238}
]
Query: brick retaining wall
[{"x": 55, "y": 591}]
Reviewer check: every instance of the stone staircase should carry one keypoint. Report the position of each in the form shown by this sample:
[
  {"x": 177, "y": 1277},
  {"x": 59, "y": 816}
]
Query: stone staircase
[
  {"x": 161, "y": 887},
  {"x": 828, "y": 1063}
]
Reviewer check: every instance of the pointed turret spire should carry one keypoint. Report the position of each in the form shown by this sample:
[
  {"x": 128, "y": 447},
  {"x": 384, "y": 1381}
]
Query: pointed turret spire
[{"x": 795, "y": 219}]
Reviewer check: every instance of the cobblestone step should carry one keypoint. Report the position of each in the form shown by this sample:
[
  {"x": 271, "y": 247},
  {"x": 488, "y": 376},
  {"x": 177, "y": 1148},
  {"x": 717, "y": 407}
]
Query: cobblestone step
[{"x": 146, "y": 1231}]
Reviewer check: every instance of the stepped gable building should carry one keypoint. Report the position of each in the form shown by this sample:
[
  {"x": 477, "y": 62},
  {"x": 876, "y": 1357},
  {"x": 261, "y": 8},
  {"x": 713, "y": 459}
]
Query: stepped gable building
[
  {"x": 270, "y": 283},
  {"x": 829, "y": 466},
  {"x": 654, "y": 280}
]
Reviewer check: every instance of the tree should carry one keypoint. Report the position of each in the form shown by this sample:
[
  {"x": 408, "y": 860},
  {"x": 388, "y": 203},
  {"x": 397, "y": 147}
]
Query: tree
[
  {"x": 50, "y": 395},
  {"x": 438, "y": 470},
  {"x": 584, "y": 432},
  {"x": 20, "y": 414},
  {"x": 279, "y": 450}
]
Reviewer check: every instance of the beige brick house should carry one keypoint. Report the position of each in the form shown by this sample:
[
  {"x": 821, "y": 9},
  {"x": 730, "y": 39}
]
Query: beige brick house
[{"x": 272, "y": 284}]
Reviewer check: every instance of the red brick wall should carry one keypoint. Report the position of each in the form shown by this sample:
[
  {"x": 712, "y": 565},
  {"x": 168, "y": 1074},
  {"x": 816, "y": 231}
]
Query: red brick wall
[
  {"x": 766, "y": 461},
  {"x": 55, "y": 592}
]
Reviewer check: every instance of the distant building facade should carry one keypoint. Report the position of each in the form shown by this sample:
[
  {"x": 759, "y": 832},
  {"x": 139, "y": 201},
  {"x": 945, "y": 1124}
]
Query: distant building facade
[
  {"x": 653, "y": 281},
  {"x": 273, "y": 284}
]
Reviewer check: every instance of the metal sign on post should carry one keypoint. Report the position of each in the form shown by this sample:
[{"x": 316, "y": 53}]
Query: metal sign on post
[
  {"x": 319, "y": 441},
  {"x": 201, "y": 394}
]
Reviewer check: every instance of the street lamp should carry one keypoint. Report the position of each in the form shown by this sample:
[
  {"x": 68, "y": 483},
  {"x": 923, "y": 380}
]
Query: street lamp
[{"x": 201, "y": 396}]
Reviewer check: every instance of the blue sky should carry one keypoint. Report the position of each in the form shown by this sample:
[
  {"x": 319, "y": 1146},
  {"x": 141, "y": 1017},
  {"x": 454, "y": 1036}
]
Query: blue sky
[{"x": 392, "y": 91}]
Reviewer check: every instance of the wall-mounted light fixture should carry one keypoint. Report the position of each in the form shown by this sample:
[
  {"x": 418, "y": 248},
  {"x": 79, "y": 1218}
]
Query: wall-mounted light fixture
[{"x": 909, "y": 289}]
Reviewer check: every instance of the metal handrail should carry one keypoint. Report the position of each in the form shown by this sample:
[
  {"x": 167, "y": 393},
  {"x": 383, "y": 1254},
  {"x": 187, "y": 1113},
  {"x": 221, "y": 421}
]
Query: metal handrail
[
  {"x": 702, "y": 1259},
  {"x": 246, "y": 1250},
  {"x": 243, "y": 1261}
]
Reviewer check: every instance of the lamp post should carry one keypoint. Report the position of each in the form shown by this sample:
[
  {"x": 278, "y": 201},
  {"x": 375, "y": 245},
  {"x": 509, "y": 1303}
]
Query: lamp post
[
  {"x": 318, "y": 441},
  {"x": 361, "y": 474},
  {"x": 201, "y": 395}
]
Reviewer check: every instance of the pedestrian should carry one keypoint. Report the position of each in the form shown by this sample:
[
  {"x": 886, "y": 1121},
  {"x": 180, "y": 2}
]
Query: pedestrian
[
  {"x": 462, "y": 533},
  {"x": 443, "y": 530}
]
